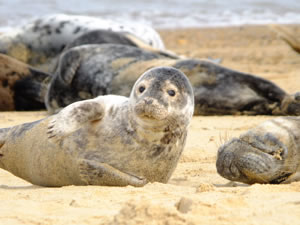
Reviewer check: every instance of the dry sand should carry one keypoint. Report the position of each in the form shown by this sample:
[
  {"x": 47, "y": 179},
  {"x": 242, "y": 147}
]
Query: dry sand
[{"x": 196, "y": 194}]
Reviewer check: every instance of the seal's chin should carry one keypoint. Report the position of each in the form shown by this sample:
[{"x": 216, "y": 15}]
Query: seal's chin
[{"x": 240, "y": 161}]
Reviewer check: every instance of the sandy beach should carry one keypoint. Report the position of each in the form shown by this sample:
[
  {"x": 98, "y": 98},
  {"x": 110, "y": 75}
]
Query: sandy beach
[{"x": 195, "y": 194}]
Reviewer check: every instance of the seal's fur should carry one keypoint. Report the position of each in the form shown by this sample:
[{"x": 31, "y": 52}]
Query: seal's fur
[
  {"x": 90, "y": 70},
  {"x": 109, "y": 140},
  {"x": 22, "y": 87},
  {"x": 268, "y": 153},
  {"x": 44, "y": 38}
]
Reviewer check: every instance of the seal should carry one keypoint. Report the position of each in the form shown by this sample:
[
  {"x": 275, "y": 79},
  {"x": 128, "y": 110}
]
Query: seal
[
  {"x": 44, "y": 38},
  {"x": 104, "y": 37},
  {"x": 21, "y": 87},
  {"x": 108, "y": 140},
  {"x": 268, "y": 153},
  {"x": 90, "y": 70}
]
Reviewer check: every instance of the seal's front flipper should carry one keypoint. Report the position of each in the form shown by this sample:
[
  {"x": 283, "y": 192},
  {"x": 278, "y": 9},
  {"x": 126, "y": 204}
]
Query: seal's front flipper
[
  {"x": 74, "y": 116},
  {"x": 96, "y": 173},
  {"x": 59, "y": 91},
  {"x": 69, "y": 63}
]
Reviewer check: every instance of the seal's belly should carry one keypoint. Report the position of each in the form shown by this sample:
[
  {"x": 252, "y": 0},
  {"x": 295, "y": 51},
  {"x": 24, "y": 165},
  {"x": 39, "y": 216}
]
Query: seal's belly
[{"x": 154, "y": 161}]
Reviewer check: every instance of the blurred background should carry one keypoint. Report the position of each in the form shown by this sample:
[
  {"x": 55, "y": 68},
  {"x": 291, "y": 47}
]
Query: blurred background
[{"x": 160, "y": 14}]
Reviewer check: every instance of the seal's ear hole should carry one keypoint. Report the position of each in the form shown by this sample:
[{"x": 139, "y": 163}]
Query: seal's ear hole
[
  {"x": 142, "y": 89},
  {"x": 172, "y": 93}
]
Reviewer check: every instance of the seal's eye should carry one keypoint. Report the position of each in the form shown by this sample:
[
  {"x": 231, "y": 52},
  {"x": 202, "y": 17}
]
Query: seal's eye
[
  {"x": 171, "y": 92},
  {"x": 141, "y": 89}
]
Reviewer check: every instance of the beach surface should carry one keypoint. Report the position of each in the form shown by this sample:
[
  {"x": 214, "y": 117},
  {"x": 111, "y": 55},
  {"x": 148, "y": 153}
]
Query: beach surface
[{"x": 195, "y": 194}]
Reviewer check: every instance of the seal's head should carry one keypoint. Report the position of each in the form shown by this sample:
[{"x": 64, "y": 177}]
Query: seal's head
[
  {"x": 257, "y": 158},
  {"x": 163, "y": 94},
  {"x": 291, "y": 104}
]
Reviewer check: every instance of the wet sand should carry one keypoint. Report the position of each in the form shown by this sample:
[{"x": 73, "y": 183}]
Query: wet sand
[{"x": 196, "y": 194}]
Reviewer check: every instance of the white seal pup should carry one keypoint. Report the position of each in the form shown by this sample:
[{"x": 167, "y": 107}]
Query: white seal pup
[
  {"x": 46, "y": 37},
  {"x": 268, "y": 153},
  {"x": 109, "y": 140}
]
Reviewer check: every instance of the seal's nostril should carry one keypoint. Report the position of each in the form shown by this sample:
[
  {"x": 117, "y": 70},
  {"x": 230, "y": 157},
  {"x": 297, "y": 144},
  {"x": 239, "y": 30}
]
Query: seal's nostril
[{"x": 148, "y": 101}]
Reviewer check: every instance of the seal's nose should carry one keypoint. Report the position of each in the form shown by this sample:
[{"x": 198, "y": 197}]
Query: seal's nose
[{"x": 148, "y": 101}]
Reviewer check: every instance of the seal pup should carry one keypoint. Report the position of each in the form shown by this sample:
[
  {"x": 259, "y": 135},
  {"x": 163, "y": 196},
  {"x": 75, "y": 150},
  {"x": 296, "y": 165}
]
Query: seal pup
[
  {"x": 21, "y": 86},
  {"x": 90, "y": 70},
  {"x": 268, "y": 153},
  {"x": 46, "y": 37},
  {"x": 109, "y": 140}
]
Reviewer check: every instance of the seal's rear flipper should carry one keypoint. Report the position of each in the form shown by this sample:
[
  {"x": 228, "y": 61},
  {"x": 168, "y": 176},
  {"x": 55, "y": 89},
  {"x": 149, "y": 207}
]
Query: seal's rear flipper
[
  {"x": 96, "y": 173},
  {"x": 74, "y": 116}
]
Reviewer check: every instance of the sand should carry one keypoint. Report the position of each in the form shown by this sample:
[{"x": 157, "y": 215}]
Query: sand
[{"x": 196, "y": 194}]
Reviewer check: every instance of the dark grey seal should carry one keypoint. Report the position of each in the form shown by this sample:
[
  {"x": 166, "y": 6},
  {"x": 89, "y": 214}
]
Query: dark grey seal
[
  {"x": 268, "y": 153},
  {"x": 90, "y": 70}
]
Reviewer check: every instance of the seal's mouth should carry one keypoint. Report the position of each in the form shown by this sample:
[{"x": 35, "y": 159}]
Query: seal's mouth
[
  {"x": 243, "y": 161},
  {"x": 150, "y": 110}
]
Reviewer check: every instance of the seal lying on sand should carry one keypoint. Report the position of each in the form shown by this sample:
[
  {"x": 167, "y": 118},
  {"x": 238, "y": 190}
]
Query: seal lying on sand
[
  {"x": 111, "y": 37},
  {"x": 21, "y": 86},
  {"x": 269, "y": 153},
  {"x": 44, "y": 38},
  {"x": 109, "y": 140},
  {"x": 104, "y": 37},
  {"x": 90, "y": 70}
]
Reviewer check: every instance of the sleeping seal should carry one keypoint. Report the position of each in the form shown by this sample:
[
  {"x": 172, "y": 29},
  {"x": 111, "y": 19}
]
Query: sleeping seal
[
  {"x": 90, "y": 70},
  {"x": 268, "y": 153},
  {"x": 109, "y": 140},
  {"x": 44, "y": 38}
]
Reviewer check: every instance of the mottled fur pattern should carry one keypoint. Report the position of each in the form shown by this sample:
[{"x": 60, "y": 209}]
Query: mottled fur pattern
[
  {"x": 92, "y": 70},
  {"x": 87, "y": 71},
  {"x": 46, "y": 37},
  {"x": 106, "y": 140},
  {"x": 269, "y": 153}
]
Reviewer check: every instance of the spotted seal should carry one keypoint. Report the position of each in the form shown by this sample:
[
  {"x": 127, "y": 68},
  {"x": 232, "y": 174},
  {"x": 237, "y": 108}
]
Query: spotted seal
[
  {"x": 90, "y": 70},
  {"x": 22, "y": 87},
  {"x": 109, "y": 140},
  {"x": 268, "y": 153},
  {"x": 44, "y": 38}
]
